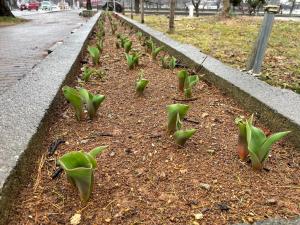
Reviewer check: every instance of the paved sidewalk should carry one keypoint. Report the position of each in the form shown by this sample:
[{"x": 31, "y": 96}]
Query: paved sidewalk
[{"x": 24, "y": 45}]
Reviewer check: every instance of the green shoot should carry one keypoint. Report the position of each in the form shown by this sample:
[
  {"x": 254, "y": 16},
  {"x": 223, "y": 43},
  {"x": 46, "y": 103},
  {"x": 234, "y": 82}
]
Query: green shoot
[
  {"x": 181, "y": 136},
  {"x": 100, "y": 45},
  {"x": 132, "y": 60},
  {"x": 127, "y": 46},
  {"x": 95, "y": 54},
  {"x": 139, "y": 35},
  {"x": 182, "y": 75},
  {"x": 141, "y": 84},
  {"x": 123, "y": 39},
  {"x": 190, "y": 82},
  {"x": 155, "y": 51},
  {"x": 259, "y": 145},
  {"x": 86, "y": 73},
  {"x": 114, "y": 28},
  {"x": 73, "y": 96},
  {"x": 168, "y": 62},
  {"x": 176, "y": 113},
  {"x": 79, "y": 167},
  {"x": 92, "y": 102},
  {"x": 242, "y": 147}
]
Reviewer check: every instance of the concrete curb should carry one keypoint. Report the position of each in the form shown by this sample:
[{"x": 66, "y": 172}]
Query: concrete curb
[
  {"x": 26, "y": 111},
  {"x": 279, "y": 109}
]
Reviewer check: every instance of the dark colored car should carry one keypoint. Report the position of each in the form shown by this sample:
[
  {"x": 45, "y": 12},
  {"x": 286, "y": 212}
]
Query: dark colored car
[
  {"x": 33, "y": 6},
  {"x": 110, "y": 6},
  {"x": 23, "y": 6}
]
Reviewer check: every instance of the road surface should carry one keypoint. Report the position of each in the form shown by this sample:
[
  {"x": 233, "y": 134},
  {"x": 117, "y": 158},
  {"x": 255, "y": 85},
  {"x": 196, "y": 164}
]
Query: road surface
[{"x": 24, "y": 45}]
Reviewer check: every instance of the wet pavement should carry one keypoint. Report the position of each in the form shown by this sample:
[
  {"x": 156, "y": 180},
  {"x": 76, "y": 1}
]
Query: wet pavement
[{"x": 24, "y": 45}]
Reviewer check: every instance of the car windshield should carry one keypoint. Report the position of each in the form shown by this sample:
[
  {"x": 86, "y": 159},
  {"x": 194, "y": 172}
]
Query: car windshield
[{"x": 46, "y": 3}]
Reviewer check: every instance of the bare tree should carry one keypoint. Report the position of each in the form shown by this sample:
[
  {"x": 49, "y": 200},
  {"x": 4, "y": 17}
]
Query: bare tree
[
  {"x": 88, "y": 5},
  {"x": 136, "y": 6},
  {"x": 226, "y": 8},
  {"x": 4, "y": 9},
  {"x": 196, "y": 4},
  {"x": 142, "y": 11},
  {"x": 293, "y": 6},
  {"x": 172, "y": 16}
]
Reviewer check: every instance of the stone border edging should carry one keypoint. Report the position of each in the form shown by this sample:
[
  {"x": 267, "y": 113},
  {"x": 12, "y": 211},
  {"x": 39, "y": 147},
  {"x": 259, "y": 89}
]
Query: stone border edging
[
  {"x": 277, "y": 108},
  {"x": 26, "y": 111}
]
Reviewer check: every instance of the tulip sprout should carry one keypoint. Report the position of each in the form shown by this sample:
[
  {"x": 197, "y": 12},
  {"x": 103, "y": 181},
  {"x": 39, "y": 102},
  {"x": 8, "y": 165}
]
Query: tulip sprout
[
  {"x": 190, "y": 82},
  {"x": 141, "y": 84},
  {"x": 95, "y": 54},
  {"x": 168, "y": 62},
  {"x": 73, "y": 96},
  {"x": 79, "y": 167},
  {"x": 100, "y": 45},
  {"x": 127, "y": 46},
  {"x": 259, "y": 145},
  {"x": 81, "y": 97},
  {"x": 242, "y": 147},
  {"x": 181, "y": 136},
  {"x": 139, "y": 35},
  {"x": 182, "y": 75},
  {"x": 86, "y": 73},
  {"x": 176, "y": 113},
  {"x": 132, "y": 60}
]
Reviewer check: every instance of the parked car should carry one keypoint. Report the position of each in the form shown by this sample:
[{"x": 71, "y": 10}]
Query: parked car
[
  {"x": 46, "y": 5},
  {"x": 23, "y": 6},
  {"x": 33, "y": 6},
  {"x": 110, "y": 6}
]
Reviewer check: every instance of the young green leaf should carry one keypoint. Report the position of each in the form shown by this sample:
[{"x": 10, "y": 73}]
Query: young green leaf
[
  {"x": 259, "y": 145},
  {"x": 86, "y": 74},
  {"x": 181, "y": 136},
  {"x": 95, "y": 54},
  {"x": 127, "y": 46},
  {"x": 79, "y": 167},
  {"x": 182, "y": 75},
  {"x": 139, "y": 35},
  {"x": 242, "y": 148},
  {"x": 141, "y": 85},
  {"x": 155, "y": 51},
  {"x": 100, "y": 45},
  {"x": 176, "y": 113},
  {"x": 190, "y": 82},
  {"x": 73, "y": 96},
  {"x": 132, "y": 60},
  {"x": 92, "y": 101}
]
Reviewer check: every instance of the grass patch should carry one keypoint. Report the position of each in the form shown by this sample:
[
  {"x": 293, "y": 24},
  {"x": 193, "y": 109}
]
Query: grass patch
[
  {"x": 8, "y": 21},
  {"x": 231, "y": 42}
]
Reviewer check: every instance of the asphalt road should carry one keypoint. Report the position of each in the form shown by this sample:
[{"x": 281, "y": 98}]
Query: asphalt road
[{"x": 24, "y": 45}]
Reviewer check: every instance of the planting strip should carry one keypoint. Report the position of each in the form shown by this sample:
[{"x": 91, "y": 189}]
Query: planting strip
[
  {"x": 277, "y": 108},
  {"x": 27, "y": 109}
]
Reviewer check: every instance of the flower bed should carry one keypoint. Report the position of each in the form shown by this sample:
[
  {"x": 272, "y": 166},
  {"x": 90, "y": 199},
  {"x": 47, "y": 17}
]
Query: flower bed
[{"x": 144, "y": 177}]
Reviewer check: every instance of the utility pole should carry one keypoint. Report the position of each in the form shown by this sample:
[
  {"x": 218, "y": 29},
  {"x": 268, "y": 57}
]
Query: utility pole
[{"x": 259, "y": 49}]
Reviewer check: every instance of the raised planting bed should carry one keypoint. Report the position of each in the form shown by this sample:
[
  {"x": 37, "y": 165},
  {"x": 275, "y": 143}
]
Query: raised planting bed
[{"x": 143, "y": 177}]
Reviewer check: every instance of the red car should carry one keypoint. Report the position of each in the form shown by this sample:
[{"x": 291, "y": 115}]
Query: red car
[
  {"x": 33, "y": 5},
  {"x": 30, "y": 6}
]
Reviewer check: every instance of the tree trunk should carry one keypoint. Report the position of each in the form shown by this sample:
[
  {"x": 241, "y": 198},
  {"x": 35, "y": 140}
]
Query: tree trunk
[
  {"x": 293, "y": 6},
  {"x": 88, "y": 5},
  {"x": 4, "y": 9},
  {"x": 142, "y": 11},
  {"x": 226, "y": 8},
  {"x": 197, "y": 11},
  {"x": 131, "y": 9},
  {"x": 172, "y": 16},
  {"x": 136, "y": 6}
]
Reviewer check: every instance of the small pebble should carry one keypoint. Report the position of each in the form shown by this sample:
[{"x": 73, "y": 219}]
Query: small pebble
[
  {"x": 198, "y": 216},
  {"x": 112, "y": 154},
  {"x": 205, "y": 186},
  {"x": 271, "y": 201}
]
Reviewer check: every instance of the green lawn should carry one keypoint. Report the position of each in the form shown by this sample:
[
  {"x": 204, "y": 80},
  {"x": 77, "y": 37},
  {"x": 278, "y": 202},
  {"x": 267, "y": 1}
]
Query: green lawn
[
  {"x": 7, "y": 21},
  {"x": 231, "y": 42}
]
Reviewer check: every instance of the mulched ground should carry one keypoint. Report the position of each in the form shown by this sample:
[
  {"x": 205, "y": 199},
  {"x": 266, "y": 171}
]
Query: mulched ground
[{"x": 144, "y": 178}]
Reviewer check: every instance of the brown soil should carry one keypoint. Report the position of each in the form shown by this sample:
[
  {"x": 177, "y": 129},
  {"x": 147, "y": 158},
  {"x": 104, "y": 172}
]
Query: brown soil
[{"x": 144, "y": 178}]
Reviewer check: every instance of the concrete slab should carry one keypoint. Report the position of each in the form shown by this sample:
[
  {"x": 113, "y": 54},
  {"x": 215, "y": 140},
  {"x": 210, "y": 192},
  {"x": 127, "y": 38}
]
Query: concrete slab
[{"x": 26, "y": 110}]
